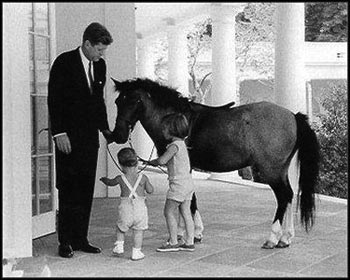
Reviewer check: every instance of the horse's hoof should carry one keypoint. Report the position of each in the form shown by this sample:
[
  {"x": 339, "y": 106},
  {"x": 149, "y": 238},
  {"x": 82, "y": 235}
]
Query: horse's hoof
[
  {"x": 282, "y": 244},
  {"x": 268, "y": 245}
]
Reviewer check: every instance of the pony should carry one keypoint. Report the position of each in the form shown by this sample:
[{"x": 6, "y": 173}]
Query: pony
[{"x": 225, "y": 138}]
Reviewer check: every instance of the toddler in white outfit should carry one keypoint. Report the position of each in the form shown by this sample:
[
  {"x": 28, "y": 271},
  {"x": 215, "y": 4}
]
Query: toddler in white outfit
[{"x": 132, "y": 210}]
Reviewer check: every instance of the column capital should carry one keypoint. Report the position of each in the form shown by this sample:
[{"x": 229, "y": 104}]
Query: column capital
[{"x": 226, "y": 12}]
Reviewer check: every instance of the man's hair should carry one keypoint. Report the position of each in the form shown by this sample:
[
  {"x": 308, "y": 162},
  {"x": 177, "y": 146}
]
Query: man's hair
[
  {"x": 177, "y": 125},
  {"x": 127, "y": 157},
  {"x": 96, "y": 33}
]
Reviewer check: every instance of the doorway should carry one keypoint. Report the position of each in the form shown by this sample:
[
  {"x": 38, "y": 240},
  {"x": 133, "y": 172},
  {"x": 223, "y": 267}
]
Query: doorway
[{"x": 44, "y": 194}]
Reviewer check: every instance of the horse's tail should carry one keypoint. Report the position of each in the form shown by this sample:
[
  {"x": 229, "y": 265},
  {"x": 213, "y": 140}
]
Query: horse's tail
[
  {"x": 309, "y": 158},
  {"x": 193, "y": 206}
]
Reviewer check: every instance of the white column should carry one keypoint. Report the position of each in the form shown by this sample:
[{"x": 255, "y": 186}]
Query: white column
[
  {"x": 145, "y": 58},
  {"x": 223, "y": 81},
  {"x": 290, "y": 87},
  {"x": 309, "y": 100},
  {"x": 178, "y": 76},
  {"x": 289, "y": 57},
  {"x": 121, "y": 63},
  {"x": 142, "y": 143},
  {"x": 224, "y": 54}
]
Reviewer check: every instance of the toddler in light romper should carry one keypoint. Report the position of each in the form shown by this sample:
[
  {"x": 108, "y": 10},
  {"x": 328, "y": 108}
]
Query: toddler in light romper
[{"x": 132, "y": 210}]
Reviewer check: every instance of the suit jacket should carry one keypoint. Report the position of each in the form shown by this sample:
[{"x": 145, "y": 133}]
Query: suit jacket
[{"x": 72, "y": 108}]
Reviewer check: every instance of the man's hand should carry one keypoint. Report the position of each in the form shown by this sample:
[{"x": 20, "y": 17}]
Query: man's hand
[
  {"x": 63, "y": 143},
  {"x": 108, "y": 136},
  {"x": 104, "y": 180}
]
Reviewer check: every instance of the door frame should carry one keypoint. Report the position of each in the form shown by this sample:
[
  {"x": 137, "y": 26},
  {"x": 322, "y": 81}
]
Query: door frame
[{"x": 44, "y": 224}]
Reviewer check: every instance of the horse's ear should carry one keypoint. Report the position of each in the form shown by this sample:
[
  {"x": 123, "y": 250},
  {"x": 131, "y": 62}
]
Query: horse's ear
[{"x": 116, "y": 83}]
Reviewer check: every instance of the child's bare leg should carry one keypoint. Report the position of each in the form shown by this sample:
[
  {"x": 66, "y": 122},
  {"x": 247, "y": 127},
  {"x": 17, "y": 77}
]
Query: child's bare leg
[
  {"x": 138, "y": 237},
  {"x": 181, "y": 229},
  {"x": 120, "y": 235},
  {"x": 170, "y": 211},
  {"x": 119, "y": 244},
  {"x": 136, "y": 250},
  {"x": 186, "y": 214}
]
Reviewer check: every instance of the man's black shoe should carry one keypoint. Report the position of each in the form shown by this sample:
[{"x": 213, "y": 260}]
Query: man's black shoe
[
  {"x": 87, "y": 248},
  {"x": 65, "y": 251}
]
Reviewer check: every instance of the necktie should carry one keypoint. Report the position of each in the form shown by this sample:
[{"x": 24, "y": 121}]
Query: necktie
[{"x": 90, "y": 76}]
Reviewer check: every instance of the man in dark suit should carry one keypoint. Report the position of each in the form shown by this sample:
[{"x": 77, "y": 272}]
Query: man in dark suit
[{"x": 77, "y": 111}]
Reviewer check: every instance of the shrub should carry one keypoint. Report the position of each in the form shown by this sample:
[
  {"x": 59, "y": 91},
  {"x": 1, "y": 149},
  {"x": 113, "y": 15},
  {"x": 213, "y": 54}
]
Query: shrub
[{"x": 332, "y": 132}]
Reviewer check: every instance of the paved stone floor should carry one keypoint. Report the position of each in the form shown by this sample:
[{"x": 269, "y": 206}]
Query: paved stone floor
[{"x": 237, "y": 220}]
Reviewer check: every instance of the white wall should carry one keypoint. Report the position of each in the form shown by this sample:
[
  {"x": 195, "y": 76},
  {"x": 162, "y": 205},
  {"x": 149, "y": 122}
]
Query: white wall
[
  {"x": 17, "y": 208},
  {"x": 326, "y": 60},
  {"x": 119, "y": 19}
]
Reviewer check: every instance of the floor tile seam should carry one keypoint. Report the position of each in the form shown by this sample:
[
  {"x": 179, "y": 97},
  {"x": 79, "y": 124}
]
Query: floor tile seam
[
  {"x": 317, "y": 262},
  {"x": 194, "y": 260},
  {"x": 261, "y": 258},
  {"x": 64, "y": 260},
  {"x": 272, "y": 271},
  {"x": 125, "y": 264},
  {"x": 247, "y": 227},
  {"x": 320, "y": 238}
]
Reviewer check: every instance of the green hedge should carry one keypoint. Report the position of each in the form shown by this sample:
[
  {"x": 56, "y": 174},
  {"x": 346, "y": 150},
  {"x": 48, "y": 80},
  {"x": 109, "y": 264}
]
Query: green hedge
[{"x": 332, "y": 132}]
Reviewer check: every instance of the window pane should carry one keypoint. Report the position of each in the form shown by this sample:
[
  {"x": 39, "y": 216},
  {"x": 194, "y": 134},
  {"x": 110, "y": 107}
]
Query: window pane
[
  {"x": 41, "y": 138},
  {"x": 30, "y": 18},
  {"x": 42, "y": 64},
  {"x": 41, "y": 49},
  {"x": 41, "y": 18},
  {"x": 45, "y": 183},
  {"x": 31, "y": 63},
  {"x": 34, "y": 196}
]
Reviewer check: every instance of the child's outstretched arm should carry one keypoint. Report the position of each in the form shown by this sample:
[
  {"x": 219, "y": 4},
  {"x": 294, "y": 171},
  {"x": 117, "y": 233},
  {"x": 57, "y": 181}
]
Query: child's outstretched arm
[
  {"x": 110, "y": 182},
  {"x": 164, "y": 158}
]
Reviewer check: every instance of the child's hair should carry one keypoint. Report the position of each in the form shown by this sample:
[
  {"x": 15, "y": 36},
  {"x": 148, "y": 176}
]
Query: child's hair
[
  {"x": 127, "y": 157},
  {"x": 177, "y": 125}
]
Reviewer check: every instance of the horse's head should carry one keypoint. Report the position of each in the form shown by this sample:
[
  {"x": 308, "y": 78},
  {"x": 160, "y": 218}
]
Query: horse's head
[{"x": 128, "y": 106}]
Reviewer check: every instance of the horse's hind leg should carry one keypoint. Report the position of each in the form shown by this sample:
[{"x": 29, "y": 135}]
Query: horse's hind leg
[
  {"x": 288, "y": 228},
  {"x": 288, "y": 225},
  {"x": 284, "y": 195}
]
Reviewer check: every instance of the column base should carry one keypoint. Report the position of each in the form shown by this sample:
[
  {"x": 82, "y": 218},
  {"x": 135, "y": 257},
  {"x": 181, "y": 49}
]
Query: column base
[{"x": 225, "y": 176}]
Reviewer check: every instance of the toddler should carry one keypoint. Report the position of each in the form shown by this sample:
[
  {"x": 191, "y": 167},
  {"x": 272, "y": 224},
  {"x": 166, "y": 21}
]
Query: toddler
[{"x": 132, "y": 210}]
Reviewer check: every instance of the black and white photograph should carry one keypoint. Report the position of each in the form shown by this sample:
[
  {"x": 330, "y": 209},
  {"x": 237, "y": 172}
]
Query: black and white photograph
[{"x": 175, "y": 139}]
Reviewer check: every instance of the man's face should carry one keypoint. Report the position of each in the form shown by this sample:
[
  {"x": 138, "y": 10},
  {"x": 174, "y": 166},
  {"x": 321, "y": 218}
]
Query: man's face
[{"x": 94, "y": 53}]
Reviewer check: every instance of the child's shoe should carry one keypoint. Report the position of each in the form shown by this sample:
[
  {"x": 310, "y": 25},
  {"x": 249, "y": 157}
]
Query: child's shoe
[
  {"x": 167, "y": 247},
  {"x": 185, "y": 247},
  {"x": 119, "y": 248},
  {"x": 198, "y": 240},
  {"x": 137, "y": 254}
]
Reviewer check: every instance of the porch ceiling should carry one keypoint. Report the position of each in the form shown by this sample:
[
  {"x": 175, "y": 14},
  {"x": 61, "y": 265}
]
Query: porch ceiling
[{"x": 152, "y": 18}]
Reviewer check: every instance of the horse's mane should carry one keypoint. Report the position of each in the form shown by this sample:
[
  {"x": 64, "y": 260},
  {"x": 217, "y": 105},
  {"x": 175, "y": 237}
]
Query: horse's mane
[{"x": 163, "y": 96}]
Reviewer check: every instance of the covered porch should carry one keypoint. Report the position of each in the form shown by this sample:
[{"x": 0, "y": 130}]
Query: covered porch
[{"x": 237, "y": 220}]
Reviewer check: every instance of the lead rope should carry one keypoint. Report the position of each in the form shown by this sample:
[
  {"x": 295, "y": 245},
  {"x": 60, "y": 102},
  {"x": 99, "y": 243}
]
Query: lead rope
[
  {"x": 141, "y": 159},
  {"x": 114, "y": 159}
]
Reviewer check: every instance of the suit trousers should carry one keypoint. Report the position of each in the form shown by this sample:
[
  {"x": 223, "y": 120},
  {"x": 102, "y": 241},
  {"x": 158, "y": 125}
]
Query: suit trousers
[{"x": 75, "y": 181}]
